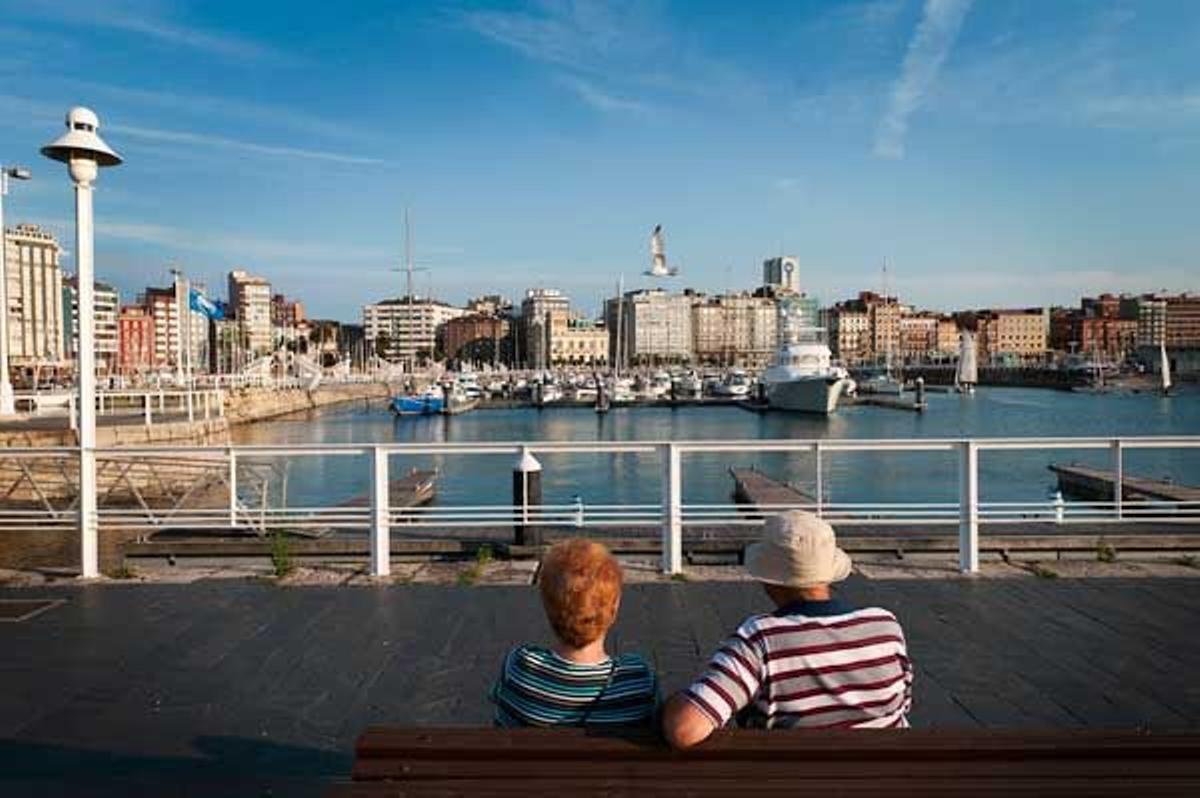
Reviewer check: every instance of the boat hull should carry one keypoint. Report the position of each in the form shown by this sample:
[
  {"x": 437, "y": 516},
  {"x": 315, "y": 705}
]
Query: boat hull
[
  {"x": 813, "y": 395},
  {"x": 417, "y": 405}
]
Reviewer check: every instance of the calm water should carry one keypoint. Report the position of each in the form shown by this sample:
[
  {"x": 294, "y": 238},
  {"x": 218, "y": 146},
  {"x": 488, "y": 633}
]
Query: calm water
[{"x": 629, "y": 478}]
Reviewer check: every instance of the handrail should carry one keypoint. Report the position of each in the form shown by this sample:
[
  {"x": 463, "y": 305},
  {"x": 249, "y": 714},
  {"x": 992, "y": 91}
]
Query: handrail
[{"x": 672, "y": 514}]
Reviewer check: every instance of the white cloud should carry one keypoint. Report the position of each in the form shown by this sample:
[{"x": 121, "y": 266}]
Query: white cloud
[
  {"x": 148, "y": 20},
  {"x": 927, "y": 51},
  {"x": 221, "y": 142},
  {"x": 600, "y": 99}
]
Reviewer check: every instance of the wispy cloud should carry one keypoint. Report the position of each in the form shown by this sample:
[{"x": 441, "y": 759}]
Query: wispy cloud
[
  {"x": 940, "y": 23},
  {"x": 614, "y": 56},
  {"x": 150, "y": 21},
  {"x": 253, "y": 148},
  {"x": 231, "y": 245},
  {"x": 600, "y": 99}
]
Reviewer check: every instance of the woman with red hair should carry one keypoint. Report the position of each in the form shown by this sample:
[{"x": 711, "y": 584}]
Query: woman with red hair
[{"x": 574, "y": 681}]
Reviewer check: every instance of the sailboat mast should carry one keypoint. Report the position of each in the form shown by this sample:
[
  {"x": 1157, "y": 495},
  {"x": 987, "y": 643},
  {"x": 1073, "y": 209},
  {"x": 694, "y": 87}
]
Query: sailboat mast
[{"x": 620, "y": 329}]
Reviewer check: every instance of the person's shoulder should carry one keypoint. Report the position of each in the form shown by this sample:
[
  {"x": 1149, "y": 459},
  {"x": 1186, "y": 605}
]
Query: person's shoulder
[
  {"x": 633, "y": 662},
  {"x": 526, "y": 655},
  {"x": 750, "y": 628}
]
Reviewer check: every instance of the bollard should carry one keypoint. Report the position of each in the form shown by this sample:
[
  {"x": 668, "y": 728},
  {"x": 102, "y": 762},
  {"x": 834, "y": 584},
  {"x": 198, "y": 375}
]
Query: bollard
[
  {"x": 578, "y": 511},
  {"x": 527, "y": 493},
  {"x": 1059, "y": 507},
  {"x": 146, "y": 417},
  {"x": 920, "y": 391}
]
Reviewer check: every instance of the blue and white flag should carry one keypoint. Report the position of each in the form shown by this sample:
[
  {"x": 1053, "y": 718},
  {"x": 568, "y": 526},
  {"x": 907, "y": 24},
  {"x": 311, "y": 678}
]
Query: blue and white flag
[{"x": 202, "y": 304}]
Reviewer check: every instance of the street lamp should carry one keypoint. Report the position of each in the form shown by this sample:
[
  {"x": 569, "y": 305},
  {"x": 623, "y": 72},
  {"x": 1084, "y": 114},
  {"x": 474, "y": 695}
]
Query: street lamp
[
  {"x": 7, "y": 401},
  {"x": 84, "y": 152}
]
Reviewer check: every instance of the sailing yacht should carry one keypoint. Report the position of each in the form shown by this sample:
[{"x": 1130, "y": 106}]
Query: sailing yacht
[
  {"x": 1165, "y": 369},
  {"x": 966, "y": 374}
]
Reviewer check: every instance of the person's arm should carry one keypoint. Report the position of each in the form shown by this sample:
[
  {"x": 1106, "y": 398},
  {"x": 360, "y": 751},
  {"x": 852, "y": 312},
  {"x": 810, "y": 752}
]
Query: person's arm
[
  {"x": 729, "y": 684},
  {"x": 683, "y": 724}
]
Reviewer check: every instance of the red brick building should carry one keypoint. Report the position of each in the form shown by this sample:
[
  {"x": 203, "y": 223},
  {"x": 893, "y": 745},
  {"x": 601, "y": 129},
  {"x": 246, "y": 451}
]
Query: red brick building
[{"x": 135, "y": 340}]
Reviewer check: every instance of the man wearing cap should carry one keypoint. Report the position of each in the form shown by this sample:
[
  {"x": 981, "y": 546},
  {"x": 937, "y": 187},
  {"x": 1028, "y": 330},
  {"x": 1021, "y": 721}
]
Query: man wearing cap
[{"x": 815, "y": 662}]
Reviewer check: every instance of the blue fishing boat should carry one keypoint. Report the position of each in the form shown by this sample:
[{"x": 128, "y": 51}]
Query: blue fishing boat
[{"x": 427, "y": 403}]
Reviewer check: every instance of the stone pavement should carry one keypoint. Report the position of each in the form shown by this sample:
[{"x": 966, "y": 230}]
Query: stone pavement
[{"x": 243, "y": 687}]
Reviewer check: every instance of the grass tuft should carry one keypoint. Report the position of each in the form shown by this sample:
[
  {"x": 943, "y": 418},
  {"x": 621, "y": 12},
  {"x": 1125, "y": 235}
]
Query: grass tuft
[
  {"x": 1106, "y": 553},
  {"x": 281, "y": 555}
]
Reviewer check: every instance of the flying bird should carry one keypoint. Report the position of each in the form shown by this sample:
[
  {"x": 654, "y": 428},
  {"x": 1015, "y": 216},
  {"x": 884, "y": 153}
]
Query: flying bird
[{"x": 658, "y": 256}]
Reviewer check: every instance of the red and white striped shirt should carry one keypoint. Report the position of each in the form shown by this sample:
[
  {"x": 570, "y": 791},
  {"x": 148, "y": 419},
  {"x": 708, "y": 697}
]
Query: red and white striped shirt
[{"x": 813, "y": 664}]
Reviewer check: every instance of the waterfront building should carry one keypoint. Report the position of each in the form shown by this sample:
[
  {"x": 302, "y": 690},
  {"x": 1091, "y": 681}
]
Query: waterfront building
[
  {"x": 250, "y": 304},
  {"x": 135, "y": 340},
  {"x": 478, "y": 337},
  {"x": 1020, "y": 334},
  {"x": 656, "y": 327},
  {"x": 578, "y": 342},
  {"x": 286, "y": 312},
  {"x": 849, "y": 333},
  {"x": 734, "y": 330},
  {"x": 162, "y": 305},
  {"x": 947, "y": 336},
  {"x": 490, "y": 305},
  {"x": 537, "y": 319},
  {"x": 405, "y": 329},
  {"x": 107, "y": 303},
  {"x": 1183, "y": 320},
  {"x": 919, "y": 337},
  {"x": 782, "y": 274},
  {"x": 35, "y": 307}
]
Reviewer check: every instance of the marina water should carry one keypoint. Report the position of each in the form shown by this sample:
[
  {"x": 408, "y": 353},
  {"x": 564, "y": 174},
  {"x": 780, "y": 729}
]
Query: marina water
[{"x": 848, "y": 476}]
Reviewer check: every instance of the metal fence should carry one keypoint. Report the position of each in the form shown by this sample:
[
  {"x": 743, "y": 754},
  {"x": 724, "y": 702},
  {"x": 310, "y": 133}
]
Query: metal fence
[{"x": 157, "y": 484}]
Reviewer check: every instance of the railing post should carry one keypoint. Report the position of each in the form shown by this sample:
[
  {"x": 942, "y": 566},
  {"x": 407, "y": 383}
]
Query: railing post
[
  {"x": 820, "y": 482},
  {"x": 1118, "y": 469},
  {"x": 71, "y": 411},
  {"x": 381, "y": 555},
  {"x": 191, "y": 408},
  {"x": 233, "y": 496},
  {"x": 672, "y": 512},
  {"x": 89, "y": 522},
  {"x": 146, "y": 416},
  {"x": 968, "y": 507}
]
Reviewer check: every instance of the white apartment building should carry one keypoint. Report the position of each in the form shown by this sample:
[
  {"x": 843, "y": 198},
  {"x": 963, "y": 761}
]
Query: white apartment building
[
  {"x": 850, "y": 334},
  {"x": 250, "y": 304},
  {"x": 735, "y": 330},
  {"x": 655, "y": 327},
  {"x": 407, "y": 326},
  {"x": 107, "y": 304},
  {"x": 35, "y": 306},
  {"x": 542, "y": 310}
]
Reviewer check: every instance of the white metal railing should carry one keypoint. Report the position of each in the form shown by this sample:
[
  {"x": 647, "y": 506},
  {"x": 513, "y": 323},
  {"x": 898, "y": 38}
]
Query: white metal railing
[
  {"x": 670, "y": 515},
  {"x": 150, "y": 405}
]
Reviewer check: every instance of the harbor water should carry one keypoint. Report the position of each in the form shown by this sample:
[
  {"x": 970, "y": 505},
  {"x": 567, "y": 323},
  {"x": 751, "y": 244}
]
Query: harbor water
[{"x": 848, "y": 477}]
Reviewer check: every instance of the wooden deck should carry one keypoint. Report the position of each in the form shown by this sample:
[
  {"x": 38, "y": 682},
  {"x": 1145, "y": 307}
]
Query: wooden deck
[
  {"x": 234, "y": 687},
  {"x": 1095, "y": 483},
  {"x": 751, "y": 486}
]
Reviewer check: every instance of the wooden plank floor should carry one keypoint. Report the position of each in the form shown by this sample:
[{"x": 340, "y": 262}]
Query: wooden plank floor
[{"x": 238, "y": 687}]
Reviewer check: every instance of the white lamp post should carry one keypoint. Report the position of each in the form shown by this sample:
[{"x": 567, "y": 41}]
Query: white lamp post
[
  {"x": 7, "y": 400},
  {"x": 84, "y": 152}
]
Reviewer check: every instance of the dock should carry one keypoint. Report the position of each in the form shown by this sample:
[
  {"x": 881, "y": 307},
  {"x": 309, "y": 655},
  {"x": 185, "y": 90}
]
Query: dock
[
  {"x": 893, "y": 403},
  {"x": 415, "y": 489},
  {"x": 753, "y": 487},
  {"x": 1084, "y": 482}
]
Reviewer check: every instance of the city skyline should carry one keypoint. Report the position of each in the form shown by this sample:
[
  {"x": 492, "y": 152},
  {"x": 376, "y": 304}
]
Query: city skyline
[{"x": 1046, "y": 148}]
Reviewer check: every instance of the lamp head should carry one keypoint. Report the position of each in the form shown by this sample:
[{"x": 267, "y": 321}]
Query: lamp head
[{"x": 81, "y": 142}]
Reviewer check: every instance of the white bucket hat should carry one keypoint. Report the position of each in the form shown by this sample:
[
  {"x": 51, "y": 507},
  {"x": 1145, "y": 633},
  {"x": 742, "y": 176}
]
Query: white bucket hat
[{"x": 797, "y": 550}]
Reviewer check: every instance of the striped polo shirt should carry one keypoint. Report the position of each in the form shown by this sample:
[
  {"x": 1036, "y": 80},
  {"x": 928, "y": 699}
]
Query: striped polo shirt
[
  {"x": 539, "y": 688},
  {"x": 812, "y": 664}
]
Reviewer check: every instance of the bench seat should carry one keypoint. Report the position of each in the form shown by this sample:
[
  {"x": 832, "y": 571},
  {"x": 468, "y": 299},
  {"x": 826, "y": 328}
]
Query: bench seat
[{"x": 442, "y": 762}]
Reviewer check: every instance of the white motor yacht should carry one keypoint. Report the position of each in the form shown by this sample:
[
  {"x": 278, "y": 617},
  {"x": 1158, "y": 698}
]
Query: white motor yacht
[{"x": 802, "y": 376}]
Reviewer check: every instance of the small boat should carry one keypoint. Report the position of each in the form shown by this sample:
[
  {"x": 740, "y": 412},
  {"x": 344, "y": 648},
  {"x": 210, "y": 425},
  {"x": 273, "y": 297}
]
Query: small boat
[
  {"x": 687, "y": 386},
  {"x": 429, "y": 402},
  {"x": 736, "y": 385}
]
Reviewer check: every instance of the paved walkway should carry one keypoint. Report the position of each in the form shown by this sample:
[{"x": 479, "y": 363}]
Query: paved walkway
[{"x": 232, "y": 687}]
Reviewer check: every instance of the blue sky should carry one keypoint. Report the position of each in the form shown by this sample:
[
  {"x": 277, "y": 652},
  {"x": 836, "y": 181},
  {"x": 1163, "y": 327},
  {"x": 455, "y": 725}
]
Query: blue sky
[{"x": 996, "y": 153}]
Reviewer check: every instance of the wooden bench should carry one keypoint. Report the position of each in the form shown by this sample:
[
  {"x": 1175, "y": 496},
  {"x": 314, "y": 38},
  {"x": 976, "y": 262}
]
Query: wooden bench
[{"x": 442, "y": 762}]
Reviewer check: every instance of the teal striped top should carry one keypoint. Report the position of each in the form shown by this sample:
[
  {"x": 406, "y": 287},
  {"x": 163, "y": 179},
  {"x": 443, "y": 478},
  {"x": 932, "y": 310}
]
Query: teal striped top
[{"x": 539, "y": 688}]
